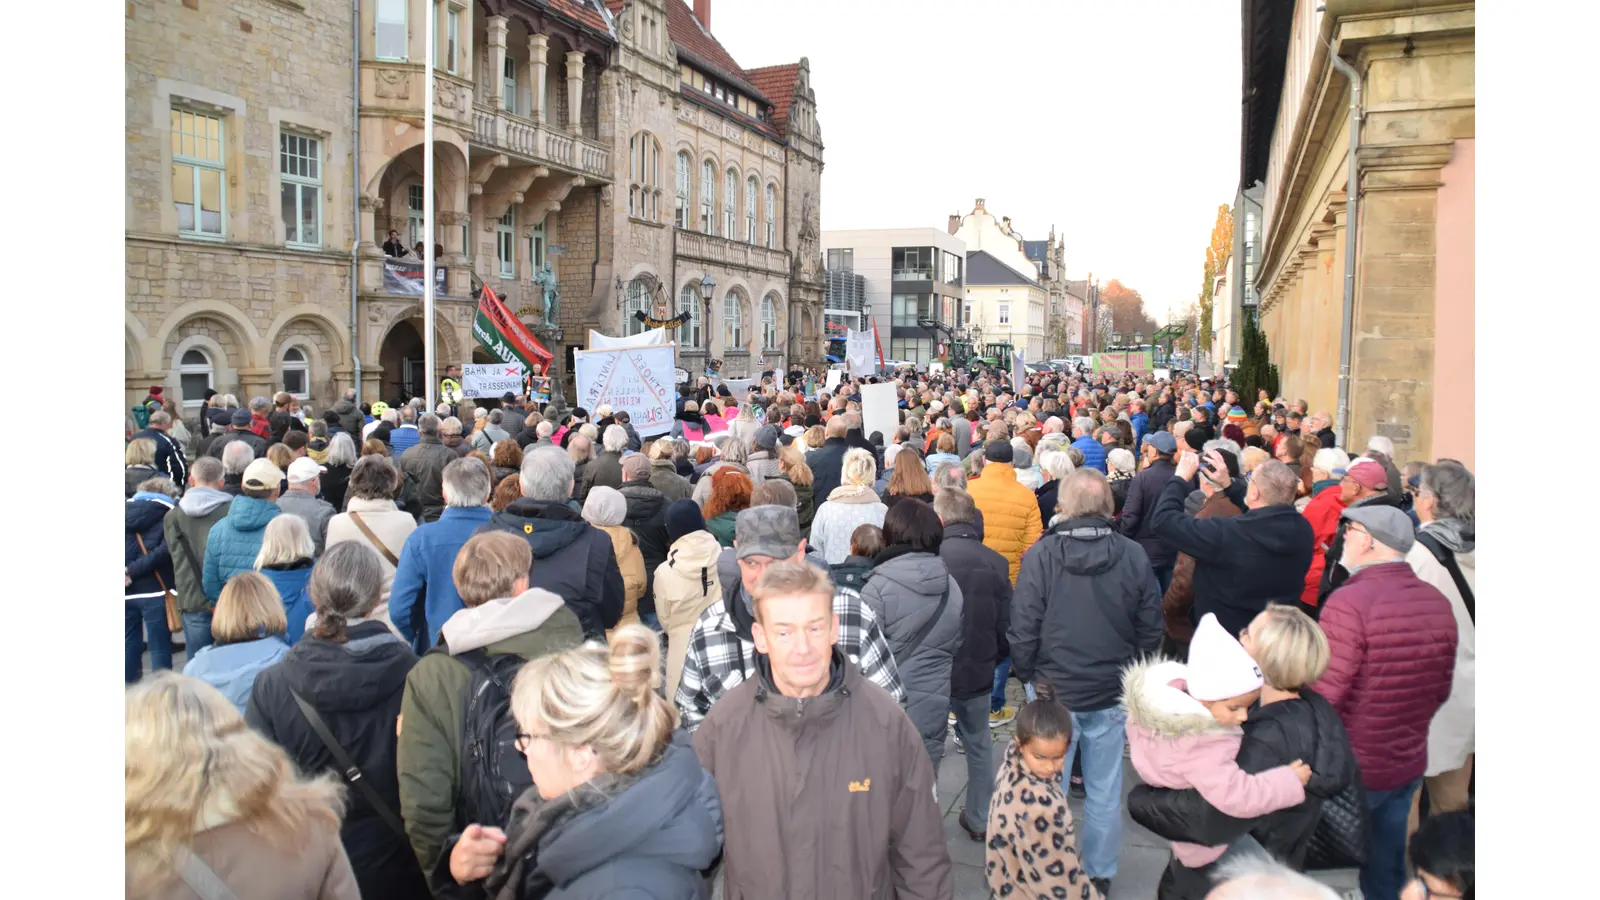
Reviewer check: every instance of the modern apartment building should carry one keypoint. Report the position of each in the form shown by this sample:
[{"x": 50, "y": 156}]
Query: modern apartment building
[{"x": 914, "y": 286}]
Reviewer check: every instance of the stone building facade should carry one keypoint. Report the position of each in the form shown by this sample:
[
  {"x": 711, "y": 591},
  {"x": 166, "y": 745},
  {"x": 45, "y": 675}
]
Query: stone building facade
[
  {"x": 1411, "y": 334},
  {"x": 557, "y": 123}
]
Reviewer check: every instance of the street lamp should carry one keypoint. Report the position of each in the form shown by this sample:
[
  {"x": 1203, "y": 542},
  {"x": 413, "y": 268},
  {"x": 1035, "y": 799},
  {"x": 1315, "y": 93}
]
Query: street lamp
[
  {"x": 708, "y": 287},
  {"x": 866, "y": 316}
]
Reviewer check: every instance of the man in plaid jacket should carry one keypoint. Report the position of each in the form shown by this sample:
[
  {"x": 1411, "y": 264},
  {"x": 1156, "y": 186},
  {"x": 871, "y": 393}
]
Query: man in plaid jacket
[{"x": 721, "y": 651}]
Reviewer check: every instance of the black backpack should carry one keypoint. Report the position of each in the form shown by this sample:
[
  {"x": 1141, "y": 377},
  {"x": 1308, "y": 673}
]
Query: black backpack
[{"x": 493, "y": 773}]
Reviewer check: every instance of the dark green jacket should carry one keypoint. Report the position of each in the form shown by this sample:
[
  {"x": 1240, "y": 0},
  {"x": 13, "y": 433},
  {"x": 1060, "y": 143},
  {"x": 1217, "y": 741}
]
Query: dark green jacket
[{"x": 186, "y": 528}]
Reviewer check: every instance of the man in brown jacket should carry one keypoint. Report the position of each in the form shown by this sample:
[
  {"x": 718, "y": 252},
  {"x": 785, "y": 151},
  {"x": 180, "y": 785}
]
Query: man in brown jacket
[{"x": 804, "y": 738}]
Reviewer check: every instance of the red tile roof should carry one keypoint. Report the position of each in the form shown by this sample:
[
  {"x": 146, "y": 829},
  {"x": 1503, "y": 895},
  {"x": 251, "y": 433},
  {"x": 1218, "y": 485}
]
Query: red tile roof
[
  {"x": 583, "y": 12},
  {"x": 703, "y": 50},
  {"x": 777, "y": 82}
]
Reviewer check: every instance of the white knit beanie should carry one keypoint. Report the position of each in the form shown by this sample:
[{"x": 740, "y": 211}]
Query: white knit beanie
[
  {"x": 1219, "y": 666},
  {"x": 605, "y": 506}
]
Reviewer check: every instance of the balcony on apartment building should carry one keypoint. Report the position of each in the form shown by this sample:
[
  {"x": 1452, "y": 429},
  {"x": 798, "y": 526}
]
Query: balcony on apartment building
[{"x": 711, "y": 250}]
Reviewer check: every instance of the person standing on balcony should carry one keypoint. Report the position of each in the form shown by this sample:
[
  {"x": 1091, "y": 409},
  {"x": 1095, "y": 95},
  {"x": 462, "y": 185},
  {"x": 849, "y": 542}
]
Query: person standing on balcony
[{"x": 393, "y": 246}]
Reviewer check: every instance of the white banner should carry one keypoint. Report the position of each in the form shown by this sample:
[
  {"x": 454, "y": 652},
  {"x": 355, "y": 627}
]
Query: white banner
[
  {"x": 491, "y": 380},
  {"x": 1019, "y": 370},
  {"x": 859, "y": 353},
  {"x": 880, "y": 410},
  {"x": 833, "y": 380},
  {"x": 655, "y": 337},
  {"x": 638, "y": 380},
  {"x": 740, "y": 387}
]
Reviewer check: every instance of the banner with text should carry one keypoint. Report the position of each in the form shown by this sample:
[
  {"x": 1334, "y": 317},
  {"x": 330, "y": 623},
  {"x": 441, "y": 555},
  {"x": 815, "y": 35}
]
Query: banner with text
[
  {"x": 1123, "y": 361},
  {"x": 504, "y": 336},
  {"x": 637, "y": 379},
  {"x": 859, "y": 353},
  {"x": 491, "y": 380},
  {"x": 404, "y": 276},
  {"x": 654, "y": 337}
]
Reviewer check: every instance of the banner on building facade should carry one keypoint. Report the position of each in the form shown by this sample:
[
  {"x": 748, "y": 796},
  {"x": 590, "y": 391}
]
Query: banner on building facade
[
  {"x": 491, "y": 380},
  {"x": 504, "y": 336},
  {"x": 636, "y": 379},
  {"x": 858, "y": 352},
  {"x": 1123, "y": 361},
  {"x": 652, "y": 338},
  {"x": 404, "y": 276}
]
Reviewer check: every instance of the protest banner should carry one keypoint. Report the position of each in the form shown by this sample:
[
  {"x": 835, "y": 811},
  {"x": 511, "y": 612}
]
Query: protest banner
[
  {"x": 1118, "y": 361},
  {"x": 539, "y": 390},
  {"x": 832, "y": 383},
  {"x": 504, "y": 336},
  {"x": 858, "y": 352},
  {"x": 880, "y": 410},
  {"x": 636, "y": 379},
  {"x": 1019, "y": 368},
  {"x": 491, "y": 380},
  {"x": 654, "y": 337}
]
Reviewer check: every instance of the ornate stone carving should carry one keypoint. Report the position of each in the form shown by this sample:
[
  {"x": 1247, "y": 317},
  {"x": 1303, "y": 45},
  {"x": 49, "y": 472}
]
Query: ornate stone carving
[
  {"x": 449, "y": 95},
  {"x": 393, "y": 84}
]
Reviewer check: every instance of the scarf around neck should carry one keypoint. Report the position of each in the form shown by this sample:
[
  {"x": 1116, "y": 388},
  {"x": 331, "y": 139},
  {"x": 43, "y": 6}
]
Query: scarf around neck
[{"x": 1022, "y": 859}]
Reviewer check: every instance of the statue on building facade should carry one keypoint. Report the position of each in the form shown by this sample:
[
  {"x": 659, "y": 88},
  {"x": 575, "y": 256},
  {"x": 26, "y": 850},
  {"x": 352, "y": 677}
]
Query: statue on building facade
[{"x": 552, "y": 298}]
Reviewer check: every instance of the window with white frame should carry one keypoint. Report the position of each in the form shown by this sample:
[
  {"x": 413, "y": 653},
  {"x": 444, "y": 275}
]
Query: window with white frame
[
  {"x": 772, "y": 202},
  {"x": 296, "y": 372},
  {"x": 1003, "y": 310},
  {"x": 505, "y": 243},
  {"x": 414, "y": 228},
  {"x": 508, "y": 85},
  {"x": 199, "y": 174},
  {"x": 730, "y": 203},
  {"x": 300, "y": 189},
  {"x": 536, "y": 247},
  {"x": 452, "y": 39},
  {"x": 769, "y": 322},
  {"x": 692, "y": 332},
  {"x": 681, "y": 214},
  {"x": 195, "y": 377},
  {"x": 392, "y": 34},
  {"x": 732, "y": 324},
  {"x": 635, "y": 299},
  {"x": 750, "y": 189},
  {"x": 708, "y": 194}
]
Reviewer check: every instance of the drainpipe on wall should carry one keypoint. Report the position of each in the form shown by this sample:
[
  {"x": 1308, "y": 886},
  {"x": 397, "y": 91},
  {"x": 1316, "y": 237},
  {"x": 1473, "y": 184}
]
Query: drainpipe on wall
[
  {"x": 355, "y": 185},
  {"x": 1352, "y": 192}
]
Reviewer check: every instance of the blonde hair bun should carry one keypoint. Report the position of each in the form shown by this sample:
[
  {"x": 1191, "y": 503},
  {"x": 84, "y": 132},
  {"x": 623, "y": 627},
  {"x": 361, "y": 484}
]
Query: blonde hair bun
[{"x": 634, "y": 661}]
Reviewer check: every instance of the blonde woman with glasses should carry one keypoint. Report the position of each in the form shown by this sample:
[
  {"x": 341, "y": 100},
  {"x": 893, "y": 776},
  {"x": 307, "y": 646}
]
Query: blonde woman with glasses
[
  {"x": 618, "y": 808},
  {"x": 209, "y": 800}
]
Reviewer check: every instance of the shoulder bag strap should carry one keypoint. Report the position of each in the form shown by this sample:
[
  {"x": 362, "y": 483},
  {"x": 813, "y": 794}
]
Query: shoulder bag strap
[
  {"x": 188, "y": 551},
  {"x": 203, "y": 881},
  {"x": 373, "y": 539},
  {"x": 145, "y": 552},
  {"x": 1447, "y": 559},
  {"x": 927, "y": 627},
  {"x": 352, "y": 772}
]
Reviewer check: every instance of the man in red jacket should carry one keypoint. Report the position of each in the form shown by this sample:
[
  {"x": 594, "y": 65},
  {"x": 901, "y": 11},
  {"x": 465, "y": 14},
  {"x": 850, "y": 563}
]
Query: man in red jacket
[{"x": 1392, "y": 643}]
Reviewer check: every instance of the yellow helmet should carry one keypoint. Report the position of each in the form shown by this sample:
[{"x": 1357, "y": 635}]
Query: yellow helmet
[{"x": 379, "y": 408}]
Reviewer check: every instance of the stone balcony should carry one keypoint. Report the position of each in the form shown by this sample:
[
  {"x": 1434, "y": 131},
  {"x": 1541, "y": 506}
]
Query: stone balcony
[
  {"x": 540, "y": 143},
  {"x": 717, "y": 251}
]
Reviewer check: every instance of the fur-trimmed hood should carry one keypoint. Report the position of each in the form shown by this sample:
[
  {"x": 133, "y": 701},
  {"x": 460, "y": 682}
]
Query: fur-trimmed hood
[{"x": 1154, "y": 703}]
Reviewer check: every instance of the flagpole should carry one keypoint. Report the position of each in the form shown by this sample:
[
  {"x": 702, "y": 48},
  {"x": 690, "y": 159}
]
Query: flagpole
[{"x": 428, "y": 261}]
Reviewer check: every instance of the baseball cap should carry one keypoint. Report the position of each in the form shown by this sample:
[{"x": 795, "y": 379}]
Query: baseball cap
[
  {"x": 1163, "y": 441},
  {"x": 241, "y": 417},
  {"x": 1368, "y": 473},
  {"x": 304, "y": 469},
  {"x": 1387, "y": 525},
  {"x": 262, "y": 475},
  {"x": 772, "y": 531},
  {"x": 998, "y": 451}
]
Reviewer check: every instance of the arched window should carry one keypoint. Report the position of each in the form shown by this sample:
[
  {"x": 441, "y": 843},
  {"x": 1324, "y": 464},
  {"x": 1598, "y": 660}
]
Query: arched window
[
  {"x": 195, "y": 376},
  {"x": 296, "y": 372},
  {"x": 692, "y": 332},
  {"x": 643, "y": 175},
  {"x": 772, "y": 201},
  {"x": 732, "y": 324},
  {"x": 730, "y": 202},
  {"x": 636, "y": 298},
  {"x": 750, "y": 209},
  {"x": 708, "y": 195},
  {"x": 769, "y": 322},
  {"x": 681, "y": 214}
]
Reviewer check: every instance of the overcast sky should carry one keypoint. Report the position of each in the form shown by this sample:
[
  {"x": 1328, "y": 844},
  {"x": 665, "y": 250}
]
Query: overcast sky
[{"x": 1116, "y": 122}]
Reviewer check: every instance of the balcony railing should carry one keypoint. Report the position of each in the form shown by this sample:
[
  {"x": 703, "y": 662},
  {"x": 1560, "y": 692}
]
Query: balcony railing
[
  {"x": 709, "y": 248},
  {"x": 540, "y": 143},
  {"x": 913, "y": 274}
]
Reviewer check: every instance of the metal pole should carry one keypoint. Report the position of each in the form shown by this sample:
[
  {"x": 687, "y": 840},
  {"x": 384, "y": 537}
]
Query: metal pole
[
  {"x": 427, "y": 214},
  {"x": 1352, "y": 193},
  {"x": 355, "y": 194}
]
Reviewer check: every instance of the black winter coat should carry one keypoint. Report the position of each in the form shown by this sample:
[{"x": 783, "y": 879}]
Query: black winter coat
[
  {"x": 169, "y": 457},
  {"x": 646, "y": 517},
  {"x": 1241, "y": 563},
  {"x": 513, "y": 418},
  {"x": 1333, "y": 573},
  {"x": 571, "y": 558},
  {"x": 143, "y": 519},
  {"x": 357, "y": 688},
  {"x": 825, "y": 463},
  {"x": 1049, "y": 495},
  {"x": 257, "y": 445},
  {"x": 1137, "y": 509},
  {"x": 1274, "y": 735},
  {"x": 334, "y": 480},
  {"x": 1085, "y": 606},
  {"x": 984, "y": 577}
]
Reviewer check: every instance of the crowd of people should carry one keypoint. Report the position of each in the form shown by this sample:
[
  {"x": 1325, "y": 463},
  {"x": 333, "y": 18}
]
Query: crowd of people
[{"x": 522, "y": 652}]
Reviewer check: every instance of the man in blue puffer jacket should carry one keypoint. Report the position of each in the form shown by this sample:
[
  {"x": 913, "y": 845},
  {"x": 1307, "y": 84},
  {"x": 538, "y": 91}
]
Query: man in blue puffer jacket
[
  {"x": 235, "y": 541},
  {"x": 428, "y": 558},
  {"x": 1094, "y": 455}
]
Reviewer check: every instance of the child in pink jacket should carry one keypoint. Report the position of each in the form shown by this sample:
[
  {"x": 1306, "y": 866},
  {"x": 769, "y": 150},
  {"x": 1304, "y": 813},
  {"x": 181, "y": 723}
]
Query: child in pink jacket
[{"x": 1183, "y": 732}]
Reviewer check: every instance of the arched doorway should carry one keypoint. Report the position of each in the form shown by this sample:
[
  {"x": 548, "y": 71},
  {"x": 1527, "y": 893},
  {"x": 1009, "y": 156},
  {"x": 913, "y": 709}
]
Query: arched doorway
[{"x": 401, "y": 357}]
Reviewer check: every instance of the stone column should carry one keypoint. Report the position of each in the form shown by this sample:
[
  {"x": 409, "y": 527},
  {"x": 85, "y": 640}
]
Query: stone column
[
  {"x": 1327, "y": 286},
  {"x": 575, "y": 92},
  {"x": 538, "y": 50},
  {"x": 371, "y": 237},
  {"x": 497, "y": 60}
]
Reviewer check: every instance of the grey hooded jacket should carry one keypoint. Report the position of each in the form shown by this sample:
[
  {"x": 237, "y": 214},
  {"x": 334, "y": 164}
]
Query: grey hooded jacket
[{"x": 903, "y": 591}]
